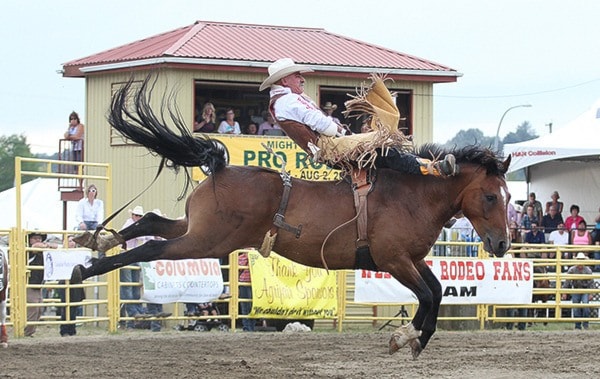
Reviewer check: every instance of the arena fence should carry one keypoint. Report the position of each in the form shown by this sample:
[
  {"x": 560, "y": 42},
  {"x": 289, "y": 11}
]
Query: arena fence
[{"x": 102, "y": 305}]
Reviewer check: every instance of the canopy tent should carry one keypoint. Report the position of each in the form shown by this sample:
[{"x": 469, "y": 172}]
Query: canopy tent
[
  {"x": 577, "y": 139},
  {"x": 41, "y": 207},
  {"x": 567, "y": 161}
]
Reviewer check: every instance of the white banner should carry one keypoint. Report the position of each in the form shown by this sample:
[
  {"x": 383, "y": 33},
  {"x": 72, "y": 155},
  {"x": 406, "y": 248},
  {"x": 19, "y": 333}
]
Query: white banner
[
  {"x": 58, "y": 264},
  {"x": 187, "y": 280},
  {"x": 464, "y": 281}
]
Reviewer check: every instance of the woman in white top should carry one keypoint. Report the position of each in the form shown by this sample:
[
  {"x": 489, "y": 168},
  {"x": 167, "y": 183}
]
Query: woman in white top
[
  {"x": 229, "y": 125},
  {"x": 90, "y": 210}
]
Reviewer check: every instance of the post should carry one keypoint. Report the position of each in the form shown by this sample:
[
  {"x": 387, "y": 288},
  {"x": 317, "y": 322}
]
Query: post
[{"x": 497, "y": 139}]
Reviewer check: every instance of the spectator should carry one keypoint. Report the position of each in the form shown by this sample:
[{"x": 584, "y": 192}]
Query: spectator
[
  {"x": 248, "y": 324},
  {"x": 537, "y": 206},
  {"x": 512, "y": 214},
  {"x": 90, "y": 210},
  {"x": 579, "y": 298},
  {"x": 268, "y": 125},
  {"x": 554, "y": 202},
  {"x": 329, "y": 108},
  {"x": 515, "y": 312},
  {"x": 229, "y": 125},
  {"x": 581, "y": 236},
  {"x": 207, "y": 122},
  {"x": 534, "y": 235},
  {"x": 574, "y": 219},
  {"x": 551, "y": 220},
  {"x": 36, "y": 277},
  {"x": 75, "y": 295},
  {"x": 128, "y": 275},
  {"x": 75, "y": 134},
  {"x": 251, "y": 129},
  {"x": 527, "y": 220},
  {"x": 559, "y": 237},
  {"x": 156, "y": 310}
]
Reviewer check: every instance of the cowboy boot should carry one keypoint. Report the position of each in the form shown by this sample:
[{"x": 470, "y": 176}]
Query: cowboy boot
[{"x": 444, "y": 168}]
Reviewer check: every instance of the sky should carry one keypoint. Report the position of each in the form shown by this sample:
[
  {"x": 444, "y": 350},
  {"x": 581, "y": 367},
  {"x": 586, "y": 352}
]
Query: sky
[{"x": 510, "y": 52}]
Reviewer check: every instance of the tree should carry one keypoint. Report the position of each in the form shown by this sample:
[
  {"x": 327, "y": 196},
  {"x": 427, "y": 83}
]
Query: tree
[
  {"x": 470, "y": 137},
  {"x": 10, "y": 147},
  {"x": 524, "y": 132}
]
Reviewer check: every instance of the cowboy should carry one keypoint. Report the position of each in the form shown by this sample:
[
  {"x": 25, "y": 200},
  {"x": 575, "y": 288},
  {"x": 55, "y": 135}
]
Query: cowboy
[{"x": 327, "y": 141}]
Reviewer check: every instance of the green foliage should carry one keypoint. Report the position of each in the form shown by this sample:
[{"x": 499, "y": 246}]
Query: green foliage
[
  {"x": 10, "y": 147},
  {"x": 470, "y": 137},
  {"x": 524, "y": 132}
]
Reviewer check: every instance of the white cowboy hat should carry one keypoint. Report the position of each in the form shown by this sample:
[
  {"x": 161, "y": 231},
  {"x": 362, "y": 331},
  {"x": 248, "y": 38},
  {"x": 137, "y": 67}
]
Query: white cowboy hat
[
  {"x": 280, "y": 69},
  {"x": 581, "y": 256},
  {"x": 138, "y": 210},
  {"x": 329, "y": 106}
]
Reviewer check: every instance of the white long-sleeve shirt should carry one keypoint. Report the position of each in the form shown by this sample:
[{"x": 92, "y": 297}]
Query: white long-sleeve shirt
[
  {"x": 301, "y": 108},
  {"x": 89, "y": 212}
]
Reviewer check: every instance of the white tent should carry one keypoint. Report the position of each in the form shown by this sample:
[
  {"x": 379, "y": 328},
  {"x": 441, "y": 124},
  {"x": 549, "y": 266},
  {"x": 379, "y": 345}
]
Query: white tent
[
  {"x": 577, "y": 139},
  {"x": 567, "y": 161},
  {"x": 41, "y": 207}
]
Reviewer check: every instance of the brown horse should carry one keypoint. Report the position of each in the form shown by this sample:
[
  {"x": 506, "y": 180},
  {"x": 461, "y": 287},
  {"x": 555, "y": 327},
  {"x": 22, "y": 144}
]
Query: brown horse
[
  {"x": 3, "y": 294},
  {"x": 405, "y": 214}
]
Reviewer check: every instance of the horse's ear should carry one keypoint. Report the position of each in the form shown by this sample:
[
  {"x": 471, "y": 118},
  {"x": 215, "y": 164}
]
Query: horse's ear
[{"x": 506, "y": 163}]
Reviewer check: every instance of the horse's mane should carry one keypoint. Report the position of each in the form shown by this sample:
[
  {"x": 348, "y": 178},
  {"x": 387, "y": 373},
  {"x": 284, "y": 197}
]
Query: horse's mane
[{"x": 474, "y": 154}]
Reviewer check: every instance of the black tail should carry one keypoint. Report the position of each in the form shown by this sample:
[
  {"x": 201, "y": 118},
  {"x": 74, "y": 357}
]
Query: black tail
[{"x": 138, "y": 123}]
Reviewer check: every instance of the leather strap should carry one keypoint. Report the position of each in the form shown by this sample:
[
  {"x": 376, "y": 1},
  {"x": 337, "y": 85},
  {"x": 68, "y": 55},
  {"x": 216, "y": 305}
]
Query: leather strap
[{"x": 361, "y": 188}]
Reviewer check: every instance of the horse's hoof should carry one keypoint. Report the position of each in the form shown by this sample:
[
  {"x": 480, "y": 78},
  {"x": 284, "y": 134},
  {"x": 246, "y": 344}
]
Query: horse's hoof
[
  {"x": 415, "y": 348},
  {"x": 393, "y": 345},
  {"x": 402, "y": 336},
  {"x": 76, "y": 275},
  {"x": 86, "y": 240}
]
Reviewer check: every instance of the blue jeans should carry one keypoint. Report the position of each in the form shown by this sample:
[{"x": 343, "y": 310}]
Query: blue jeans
[
  {"x": 583, "y": 298},
  {"x": 519, "y": 312},
  {"x": 130, "y": 293},
  {"x": 245, "y": 308},
  {"x": 155, "y": 309}
]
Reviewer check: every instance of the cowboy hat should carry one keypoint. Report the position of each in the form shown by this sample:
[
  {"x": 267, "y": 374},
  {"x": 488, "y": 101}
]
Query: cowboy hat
[
  {"x": 329, "y": 106},
  {"x": 36, "y": 233},
  {"x": 138, "y": 210},
  {"x": 581, "y": 256},
  {"x": 280, "y": 69}
]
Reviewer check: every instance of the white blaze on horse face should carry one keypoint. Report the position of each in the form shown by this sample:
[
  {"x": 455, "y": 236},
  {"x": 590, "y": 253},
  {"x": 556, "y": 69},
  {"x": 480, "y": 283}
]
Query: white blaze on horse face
[{"x": 506, "y": 197}]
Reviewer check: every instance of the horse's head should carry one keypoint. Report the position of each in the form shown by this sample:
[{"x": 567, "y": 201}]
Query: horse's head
[{"x": 484, "y": 199}]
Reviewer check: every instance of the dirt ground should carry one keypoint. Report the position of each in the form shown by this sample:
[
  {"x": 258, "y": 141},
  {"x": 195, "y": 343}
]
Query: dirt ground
[{"x": 172, "y": 354}]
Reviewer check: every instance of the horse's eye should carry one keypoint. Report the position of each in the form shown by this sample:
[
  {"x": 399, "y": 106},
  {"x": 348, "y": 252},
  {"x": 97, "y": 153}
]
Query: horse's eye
[{"x": 491, "y": 198}]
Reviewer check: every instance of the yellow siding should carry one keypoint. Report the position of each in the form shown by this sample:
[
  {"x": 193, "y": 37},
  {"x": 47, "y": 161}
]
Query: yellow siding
[{"x": 134, "y": 168}]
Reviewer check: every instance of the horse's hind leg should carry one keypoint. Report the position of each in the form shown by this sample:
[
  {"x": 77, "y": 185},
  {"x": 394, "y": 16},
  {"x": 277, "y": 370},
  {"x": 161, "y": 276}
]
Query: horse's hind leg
[{"x": 149, "y": 225}]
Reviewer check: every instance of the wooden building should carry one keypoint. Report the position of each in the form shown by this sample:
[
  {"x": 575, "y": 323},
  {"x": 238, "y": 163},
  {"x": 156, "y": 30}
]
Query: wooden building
[{"x": 225, "y": 63}]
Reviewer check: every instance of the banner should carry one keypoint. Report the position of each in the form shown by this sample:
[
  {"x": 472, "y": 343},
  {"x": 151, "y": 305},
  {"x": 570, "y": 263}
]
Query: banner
[
  {"x": 187, "y": 280},
  {"x": 248, "y": 151},
  {"x": 285, "y": 289},
  {"x": 464, "y": 281},
  {"x": 58, "y": 264}
]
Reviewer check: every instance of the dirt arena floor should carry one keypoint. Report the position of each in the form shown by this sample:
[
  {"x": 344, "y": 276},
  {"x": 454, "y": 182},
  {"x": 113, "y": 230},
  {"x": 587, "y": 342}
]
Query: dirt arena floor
[{"x": 172, "y": 354}]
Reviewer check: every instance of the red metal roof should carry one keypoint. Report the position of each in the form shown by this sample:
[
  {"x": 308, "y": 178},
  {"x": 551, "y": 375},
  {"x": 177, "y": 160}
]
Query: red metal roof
[{"x": 229, "y": 44}]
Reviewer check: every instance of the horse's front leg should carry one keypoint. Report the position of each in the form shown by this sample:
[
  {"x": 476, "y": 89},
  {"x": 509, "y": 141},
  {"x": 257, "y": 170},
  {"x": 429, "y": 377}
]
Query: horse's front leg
[
  {"x": 429, "y": 325},
  {"x": 406, "y": 273}
]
